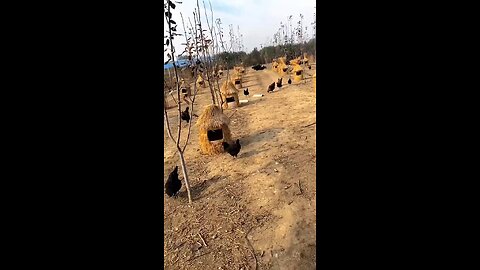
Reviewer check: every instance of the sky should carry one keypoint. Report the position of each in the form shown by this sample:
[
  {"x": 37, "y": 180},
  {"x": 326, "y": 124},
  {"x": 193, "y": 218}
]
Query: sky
[{"x": 258, "y": 20}]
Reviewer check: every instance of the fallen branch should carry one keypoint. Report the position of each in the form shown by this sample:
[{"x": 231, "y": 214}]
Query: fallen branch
[
  {"x": 203, "y": 240},
  {"x": 229, "y": 192},
  {"x": 178, "y": 258},
  {"x": 179, "y": 245},
  {"x": 310, "y": 124},
  {"x": 300, "y": 187},
  {"x": 252, "y": 250}
]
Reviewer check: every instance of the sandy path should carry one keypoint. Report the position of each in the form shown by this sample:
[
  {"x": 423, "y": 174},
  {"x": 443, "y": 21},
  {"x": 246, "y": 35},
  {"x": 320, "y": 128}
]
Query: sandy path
[{"x": 279, "y": 144}]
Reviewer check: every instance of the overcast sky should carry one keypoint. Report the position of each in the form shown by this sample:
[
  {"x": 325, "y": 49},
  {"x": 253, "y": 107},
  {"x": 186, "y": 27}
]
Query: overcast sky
[{"x": 258, "y": 19}]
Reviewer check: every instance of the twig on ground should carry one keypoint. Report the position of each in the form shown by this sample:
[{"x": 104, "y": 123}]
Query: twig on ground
[
  {"x": 310, "y": 124},
  {"x": 232, "y": 114},
  {"x": 179, "y": 245},
  {"x": 178, "y": 258},
  {"x": 252, "y": 250},
  {"x": 229, "y": 192},
  {"x": 203, "y": 240},
  {"x": 300, "y": 187}
]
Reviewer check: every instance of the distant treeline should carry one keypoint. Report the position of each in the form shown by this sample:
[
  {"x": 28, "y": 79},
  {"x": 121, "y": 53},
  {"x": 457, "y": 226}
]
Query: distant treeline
[
  {"x": 263, "y": 56},
  {"x": 267, "y": 54}
]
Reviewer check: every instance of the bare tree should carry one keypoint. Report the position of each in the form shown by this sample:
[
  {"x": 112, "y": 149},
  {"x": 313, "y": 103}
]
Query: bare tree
[
  {"x": 232, "y": 38},
  {"x": 214, "y": 61},
  {"x": 239, "y": 40},
  {"x": 291, "y": 29},
  {"x": 299, "y": 33},
  {"x": 172, "y": 28},
  {"x": 223, "y": 45},
  {"x": 315, "y": 31}
]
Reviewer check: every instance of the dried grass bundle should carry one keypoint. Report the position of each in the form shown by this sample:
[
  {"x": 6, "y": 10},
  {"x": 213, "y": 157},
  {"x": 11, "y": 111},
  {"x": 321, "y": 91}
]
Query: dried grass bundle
[{"x": 212, "y": 118}]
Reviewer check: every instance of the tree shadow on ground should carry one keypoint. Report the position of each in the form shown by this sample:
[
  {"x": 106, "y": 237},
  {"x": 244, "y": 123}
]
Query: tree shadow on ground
[{"x": 198, "y": 190}]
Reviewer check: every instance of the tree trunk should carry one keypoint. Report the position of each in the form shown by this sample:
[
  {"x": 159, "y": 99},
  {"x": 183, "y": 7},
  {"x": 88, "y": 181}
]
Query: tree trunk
[{"x": 185, "y": 175}]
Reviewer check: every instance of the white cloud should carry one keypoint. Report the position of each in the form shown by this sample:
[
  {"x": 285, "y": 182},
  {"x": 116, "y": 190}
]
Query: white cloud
[{"x": 258, "y": 19}]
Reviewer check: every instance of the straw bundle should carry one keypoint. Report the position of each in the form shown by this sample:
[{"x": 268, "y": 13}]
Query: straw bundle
[
  {"x": 237, "y": 69},
  {"x": 185, "y": 88},
  {"x": 294, "y": 62},
  {"x": 305, "y": 58},
  {"x": 237, "y": 80},
  {"x": 237, "y": 75},
  {"x": 228, "y": 90},
  {"x": 212, "y": 118},
  {"x": 201, "y": 82},
  {"x": 282, "y": 69},
  {"x": 297, "y": 73},
  {"x": 274, "y": 65}
]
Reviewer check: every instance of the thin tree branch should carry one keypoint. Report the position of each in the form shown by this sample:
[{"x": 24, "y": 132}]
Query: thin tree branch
[
  {"x": 169, "y": 132},
  {"x": 180, "y": 152},
  {"x": 195, "y": 90}
]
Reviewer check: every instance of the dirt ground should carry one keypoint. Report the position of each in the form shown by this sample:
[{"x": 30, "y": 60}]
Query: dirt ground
[{"x": 256, "y": 211}]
